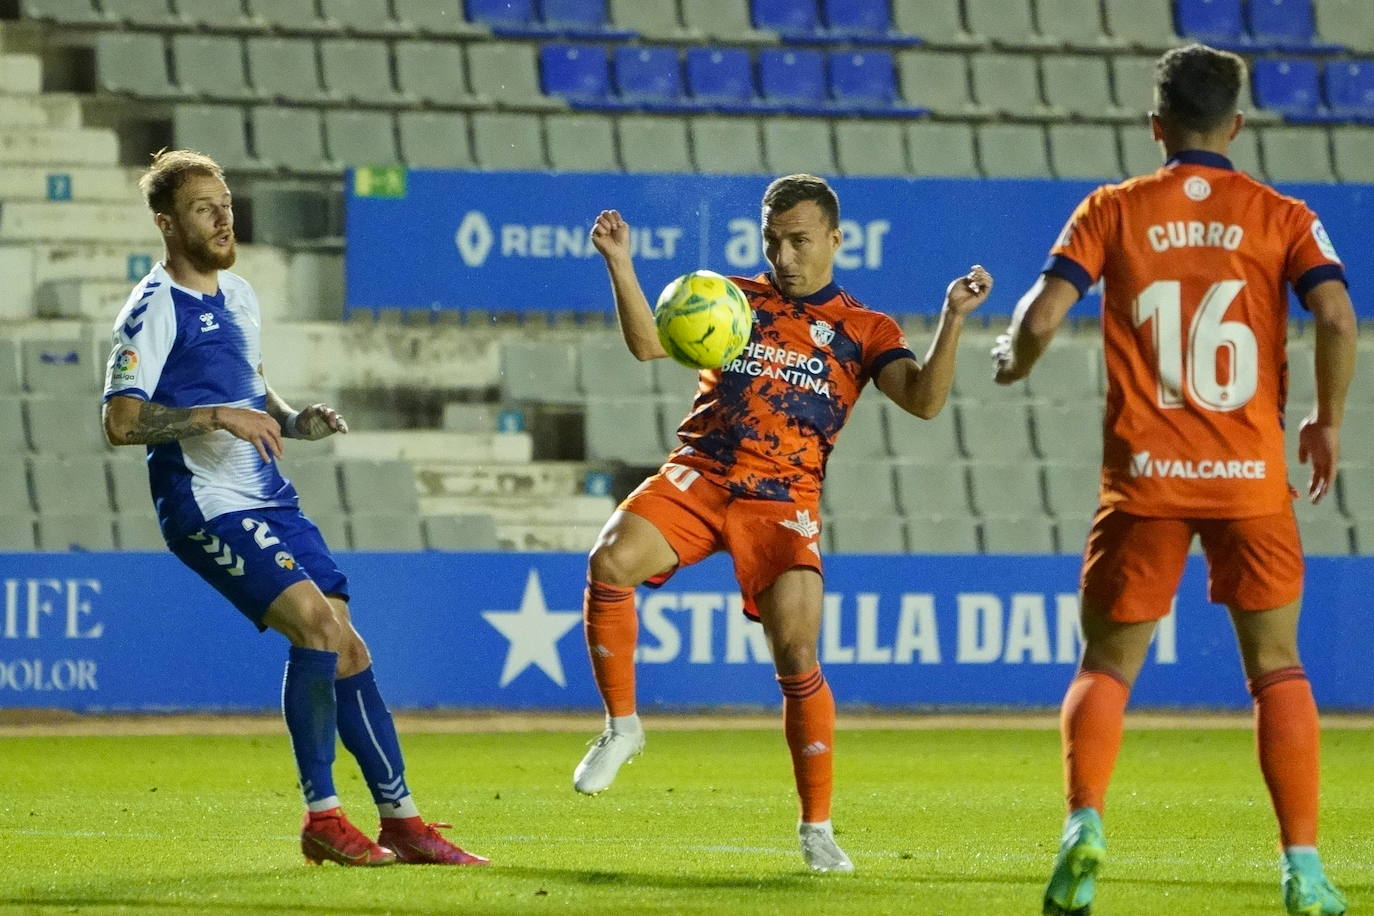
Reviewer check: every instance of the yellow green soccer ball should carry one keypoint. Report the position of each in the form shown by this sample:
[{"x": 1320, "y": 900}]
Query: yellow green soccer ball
[{"x": 703, "y": 320}]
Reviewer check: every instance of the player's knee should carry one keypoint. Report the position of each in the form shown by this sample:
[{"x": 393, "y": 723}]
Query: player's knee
[
  {"x": 353, "y": 655},
  {"x": 315, "y": 627},
  {"x": 794, "y": 658},
  {"x": 612, "y": 564}
]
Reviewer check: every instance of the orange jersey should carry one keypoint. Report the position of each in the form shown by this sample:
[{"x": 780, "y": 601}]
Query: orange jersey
[
  {"x": 1196, "y": 260},
  {"x": 764, "y": 424}
]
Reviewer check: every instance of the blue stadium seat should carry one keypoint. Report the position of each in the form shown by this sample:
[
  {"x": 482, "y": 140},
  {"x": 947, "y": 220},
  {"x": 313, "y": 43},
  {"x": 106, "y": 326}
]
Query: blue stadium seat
[
  {"x": 722, "y": 79},
  {"x": 578, "y": 73},
  {"x": 580, "y": 19},
  {"x": 863, "y": 22},
  {"x": 794, "y": 79},
  {"x": 649, "y": 78},
  {"x": 865, "y": 81},
  {"x": 1288, "y": 86},
  {"x": 1213, "y": 21},
  {"x": 792, "y": 19},
  {"x": 1284, "y": 25},
  {"x": 507, "y": 18},
  {"x": 1350, "y": 89}
]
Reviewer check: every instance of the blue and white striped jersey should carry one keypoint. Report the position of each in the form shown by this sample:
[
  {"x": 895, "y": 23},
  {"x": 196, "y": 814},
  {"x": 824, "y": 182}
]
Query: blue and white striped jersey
[{"x": 180, "y": 348}]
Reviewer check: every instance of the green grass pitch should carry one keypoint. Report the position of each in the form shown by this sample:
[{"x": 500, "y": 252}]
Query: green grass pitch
[{"x": 937, "y": 822}]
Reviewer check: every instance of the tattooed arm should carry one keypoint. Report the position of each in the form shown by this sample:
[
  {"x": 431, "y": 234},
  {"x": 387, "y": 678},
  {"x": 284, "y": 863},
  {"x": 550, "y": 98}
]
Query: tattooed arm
[{"x": 132, "y": 421}]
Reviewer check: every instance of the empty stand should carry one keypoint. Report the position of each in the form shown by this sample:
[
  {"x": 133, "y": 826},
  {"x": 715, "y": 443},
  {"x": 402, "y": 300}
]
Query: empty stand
[
  {"x": 506, "y": 141},
  {"x": 216, "y": 15},
  {"x": 133, "y": 63},
  {"x": 142, "y": 14},
  {"x": 333, "y": 528},
  {"x": 1346, "y": 22},
  {"x": 1006, "y": 490},
  {"x": 17, "y": 533},
  {"x": 129, "y": 488},
  {"x": 1296, "y": 154},
  {"x": 942, "y": 535},
  {"x": 1077, "y": 84},
  {"x": 71, "y": 486},
  {"x": 941, "y": 148},
  {"x": 212, "y": 67},
  {"x": 870, "y": 148},
  {"x": 1033, "y": 535},
  {"x": 1353, "y": 149},
  {"x": 1012, "y": 150},
  {"x": 378, "y": 488},
  {"x": 1077, "y": 23},
  {"x": 794, "y": 78},
  {"x": 1084, "y": 151},
  {"x": 59, "y": 366},
  {"x": 362, "y": 17},
  {"x": 1071, "y": 534},
  {"x": 623, "y": 429},
  {"x": 797, "y": 145},
  {"x": 722, "y": 79},
  {"x": 1006, "y": 24},
  {"x": 316, "y": 479},
  {"x": 1068, "y": 372},
  {"x": 291, "y": 138},
  {"x": 726, "y": 146},
  {"x": 285, "y": 69},
  {"x": 866, "y": 81},
  {"x": 10, "y": 381},
  {"x": 431, "y": 139},
  {"x": 13, "y": 442},
  {"x": 581, "y": 143},
  {"x": 300, "y": 16},
  {"x": 538, "y": 370},
  {"x": 932, "y": 490},
  {"x": 882, "y": 534},
  {"x": 507, "y": 73},
  {"x": 1071, "y": 490},
  {"x": 1289, "y": 86},
  {"x": 359, "y": 71},
  {"x": 924, "y": 441},
  {"x": 139, "y": 531},
  {"x": 1068, "y": 434},
  {"x": 15, "y": 498},
  {"x": 62, "y": 533},
  {"x": 862, "y": 22},
  {"x": 650, "y": 143},
  {"x": 649, "y": 77},
  {"x": 460, "y": 532},
  {"x": 605, "y": 368},
  {"x": 387, "y": 532},
  {"x": 359, "y": 137},
  {"x": 655, "y": 20},
  {"x": 937, "y": 80},
  {"x": 578, "y": 73},
  {"x": 1006, "y": 83},
  {"x": 939, "y": 23},
  {"x": 433, "y": 72},
  {"x": 65, "y": 426},
  {"x": 723, "y": 20},
  {"x": 438, "y": 18},
  {"x": 1216, "y": 21},
  {"x": 1147, "y": 25},
  {"x": 66, "y": 12},
  {"x": 1350, "y": 88}
]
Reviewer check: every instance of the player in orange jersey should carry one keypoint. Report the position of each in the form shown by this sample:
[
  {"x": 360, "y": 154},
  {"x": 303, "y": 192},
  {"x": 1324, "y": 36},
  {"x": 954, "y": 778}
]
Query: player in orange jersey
[
  {"x": 1195, "y": 259},
  {"x": 746, "y": 478}
]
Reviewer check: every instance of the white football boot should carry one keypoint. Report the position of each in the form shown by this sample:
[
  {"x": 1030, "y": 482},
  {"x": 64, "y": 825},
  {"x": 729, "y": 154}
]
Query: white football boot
[
  {"x": 820, "y": 851},
  {"x": 610, "y": 751}
]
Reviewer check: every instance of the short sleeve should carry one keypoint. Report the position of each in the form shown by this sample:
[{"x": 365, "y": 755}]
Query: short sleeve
[
  {"x": 1080, "y": 253},
  {"x": 1312, "y": 259},
  {"x": 884, "y": 343},
  {"x": 143, "y": 339}
]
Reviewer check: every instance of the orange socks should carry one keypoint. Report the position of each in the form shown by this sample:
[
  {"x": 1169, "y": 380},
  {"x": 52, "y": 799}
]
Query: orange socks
[
  {"x": 808, "y": 717},
  {"x": 612, "y": 629},
  {"x": 1288, "y": 738},
  {"x": 1090, "y": 723}
]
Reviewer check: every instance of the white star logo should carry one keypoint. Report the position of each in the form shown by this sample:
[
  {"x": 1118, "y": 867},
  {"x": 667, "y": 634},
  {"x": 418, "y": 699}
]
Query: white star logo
[{"x": 533, "y": 632}]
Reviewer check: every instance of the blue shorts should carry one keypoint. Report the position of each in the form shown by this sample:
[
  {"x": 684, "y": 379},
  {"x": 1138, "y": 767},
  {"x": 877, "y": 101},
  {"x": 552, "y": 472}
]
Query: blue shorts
[{"x": 251, "y": 557}]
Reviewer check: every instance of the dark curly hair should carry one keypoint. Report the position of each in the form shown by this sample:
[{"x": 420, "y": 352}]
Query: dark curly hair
[{"x": 1196, "y": 87}]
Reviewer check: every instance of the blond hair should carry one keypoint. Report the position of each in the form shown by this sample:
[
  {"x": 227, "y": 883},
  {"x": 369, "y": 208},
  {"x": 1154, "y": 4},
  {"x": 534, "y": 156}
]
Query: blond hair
[{"x": 169, "y": 170}]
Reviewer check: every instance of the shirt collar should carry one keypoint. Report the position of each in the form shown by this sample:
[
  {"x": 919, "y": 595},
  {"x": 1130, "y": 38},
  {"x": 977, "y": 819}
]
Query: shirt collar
[
  {"x": 819, "y": 297},
  {"x": 1200, "y": 157}
]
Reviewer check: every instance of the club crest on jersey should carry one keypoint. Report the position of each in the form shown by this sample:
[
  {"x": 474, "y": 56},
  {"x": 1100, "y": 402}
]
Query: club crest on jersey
[
  {"x": 1197, "y": 188},
  {"x": 822, "y": 333},
  {"x": 285, "y": 560},
  {"x": 1324, "y": 241},
  {"x": 207, "y": 322}
]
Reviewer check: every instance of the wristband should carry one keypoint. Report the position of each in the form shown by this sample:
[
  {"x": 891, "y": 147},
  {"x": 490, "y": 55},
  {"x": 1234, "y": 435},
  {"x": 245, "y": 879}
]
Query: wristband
[{"x": 290, "y": 428}]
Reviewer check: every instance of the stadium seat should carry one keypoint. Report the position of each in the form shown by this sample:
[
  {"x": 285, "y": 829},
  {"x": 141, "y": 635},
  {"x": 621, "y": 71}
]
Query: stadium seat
[
  {"x": 1245, "y": 153},
  {"x": 937, "y": 80},
  {"x": 59, "y": 366},
  {"x": 581, "y": 143},
  {"x": 65, "y": 12},
  {"x": 212, "y": 66},
  {"x": 1350, "y": 88},
  {"x": 1006, "y": 490},
  {"x": 80, "y": 533},
  {"x": 1084, "y": 151},
  {"x": 436, "y": 18},
  {"x": 538, "y": 371},
  {"x": 1353, "y": 149},
  {"x": 15, "y": 498},
  {"x": 460, "y": 532},
  {"x": 129, "y": 488},
  {"x": 672, "y": 410},
  {"x": 582, "y": 19},
  {"x": 1070, "y": 434},
  {"x": 726, "y": 146},
  {"x": 17, "y": 533},
  {"x": 578, "y": 73},
  {"x": 433, "y": 72},
  {"x": 1069, "y": 372},
  {"x": 1284, "y": 25},
  {"x": 1076, "y": 23},
  {"x": 217, "y": 16},
  {"x": 1140, "y": 154},
  {"x": 285, "y": 68},
  {"x": 862, "y": 22},
  {"x": 74, "y": 485},
  {"x": 1006, "y": 23},
  {"x": 924, "y": 441},
  {"x": 879, "y": 534},
  {"x": 863, "y": 438},
  {"x": 798, "y": 145},
  {"x": 1071, "y": 534},
  {"x": 605, "y": 368},
  {"x": 932, "y": 490},
  {"x": 938, "y": 23},
  {"x": 1033, "y": 535},
  {"x": 870, "y": 148},
  {"x": 650, "y": 143},
  {"x": 995, "y": 432},
  {"x": 791, "y": 19},
  {"x": 1287, "y": 85},
  {"x": 654, "y": 20},
  {"x": 1013, "y": 151},
  {"x": 1346, "y": 22},
  {"x": 723, "y": 20},
  {"x": 133, "y": 63},
  {"x": 139, "y": 531},
  {"x": 362, "y": 17},
  {"x": 508, "y": 18},
  {"x": 722, "y": 79},
  {"x": 506, "y": 141},
  {"x": 942, "y": 535},
  {"x": 1006, "y": 84},
  {"x": 387, "y": 532},
  {"x": 378, "y": 487},
  {"x": 1327, "y": 538},
  {"x": 1296, "y": 154},
  {"x": 1212, "y": 21},
  {"x": 1077, "y": 84},
  {"x": 359, "y": 71},
  {"x": 10, "y": 380},
  {"x": 1071, "y": 489},
  {"x": 296, "y": 16},
  {"x": 864, "y": 81},
  {"x": 1134, "y": 79},
  {"x": 142, "y": 14},
  {"x": 649, "y": 78},
  {"x": 941, "y": 148},
  {"x": 794, "y": 78},
  {"x": 333, "y": 528},
  {"x": 623, "y": 429},
  {"x": 358, "y": 138},
  {"x": 316, "y": 479},
  {"x": 507, "y": 73},
  {"x": 290, "y": 138},
  {"x": 14, "y": 442},
  {"x": 1144, "y": 24},
  {"x": 65, "y": 426}
]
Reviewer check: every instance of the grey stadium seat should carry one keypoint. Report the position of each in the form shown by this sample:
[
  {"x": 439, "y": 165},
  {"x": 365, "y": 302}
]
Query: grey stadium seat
[
  {"x": 433, "y": 71},
  {"x": 942, "y": 149},
  {"x": 1008, "y": 24},
  {"x": 932, "y": 490},
  {"x": 360, "y": 137},
  {"x": 440, "y": 18},
  {"x": 361, "y": 17},
  {"x": 656, "y": 20},
  {"x": 133, "y": 63},
  {"x": 378, "y": 487},
  {"x": 1345, "y": 22},
  {"x": 654, "y": 144},
  {"x": 212, "y": 66},
  {"x": 1354, "y": 153},
  {"x": 1140, "y": 154},
  {"x": 1077, "y": 84},
  {"x": 387, "y": 532},
  {"x": 1006, "y": 83},
  {"x": 605, "y": 368},
  {"x": 17, "y": 533},
  {"x": 503, "y": 141},
  {"x": 333, "y": 528},
  {"x": 726, "y": 146},
  {"x": 316, "y": 479},
  {"x": 1331, "y": 538},
  {"x": 1006, "y": 490},
  {"x": 145, "y": 14},
  {"x": 460, "y": 532},
  {"x": 10, "y": 379},
  {"x": 58, "y": 365},
  {"x": 1133, "y": 81},
  {"x": 724, "y": 20},
  {"x": 1073, "y": 22},
  {"x": 939, "y": 22},
  {"x": 15, "y": 499},
  {"x": 292, "y": 16},
  {"x": 65, "y": 426},
  {"x": 1302, "y": 376},
  {"x": 216, "y": 15},
  {"x": 863, "y": 437},
  {"x": 1032, "y": 535},
  {"x": 937, "y": 80},
  {"x": 581, "y": 143},
  {"x": 139, "y": 531},
  {"x": 72, "y": 12},
  {"x": 1356, "y": 489},
  {"x": 285, "y": 68},
  {"x": 1145, "y": 24},
  {"x": 924, "y": 441},
  {"x": 61, "y": 533},
  {"x": 1013, "y": 151},
  {"x": 1068, "y": 434},
  {"x": 1084, "y": 151},
  {"x": 859, "y": 488},
  {"x": 1364, "y": 537},
  {"x": 70, "y": 486},
  {"x": 215, "y": 127},
  {"x": 882, "y": 534},
  {"x": 1071, "y": 534},
  {"x": 432, "y": 139},
  {"x": 942, "y": 535},
  {"x": 797, "y": 145},
  {"x": 870, "y": 148},
  {"x": 507, "y": 73},
  {"x": 1068, "y": 372},
  {"x": 538, "y": 371},
  {"x": 995, "y": 432},
  {"x": 623, "y": 429},
  {"x": 1071, "y": 490},
  {"x": 13, "y": 442},
  {"x": 1245, "y": 154},
  {"x": 129, "y": 487},
  {"x": 359, "y": 71},
  {"x": 291, "y": 138},
  {"x": 1296, "y": 154}
]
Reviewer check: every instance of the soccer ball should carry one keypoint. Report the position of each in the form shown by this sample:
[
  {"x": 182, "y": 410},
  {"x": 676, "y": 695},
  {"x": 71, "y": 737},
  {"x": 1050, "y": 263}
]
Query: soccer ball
[{"x": 703, "y": 320}]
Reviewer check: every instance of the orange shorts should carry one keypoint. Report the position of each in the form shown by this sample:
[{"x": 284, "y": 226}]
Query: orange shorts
[
  {"x": 1132, "y": 564},
  {"x": 764, "y": 537}
]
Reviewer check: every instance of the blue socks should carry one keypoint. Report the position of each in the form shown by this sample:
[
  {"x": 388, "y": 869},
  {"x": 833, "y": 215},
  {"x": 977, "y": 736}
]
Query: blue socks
[
  {"x": 307, "y": 704},
  {"x": 367, "y": 731}
]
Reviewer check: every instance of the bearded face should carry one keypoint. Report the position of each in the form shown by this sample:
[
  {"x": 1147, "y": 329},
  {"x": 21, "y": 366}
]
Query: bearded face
[{"x": 202, "y": 223}]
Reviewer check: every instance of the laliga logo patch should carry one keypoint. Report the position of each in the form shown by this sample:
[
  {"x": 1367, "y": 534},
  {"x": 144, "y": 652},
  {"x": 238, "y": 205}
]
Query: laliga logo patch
[
  {"x": 1197, "y": 188},
  {"x": 1324, "y": 241},
  {"x": 125, "y": 365},
  {"x": 285, "y": 560},
  {"x": 822, "y": 333}
]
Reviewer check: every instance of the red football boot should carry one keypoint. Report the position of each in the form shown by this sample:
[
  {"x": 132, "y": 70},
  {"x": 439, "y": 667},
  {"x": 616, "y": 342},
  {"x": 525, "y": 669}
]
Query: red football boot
[
  {"x": 418, "y": 843},
  {"x": 329, "y": 835}
]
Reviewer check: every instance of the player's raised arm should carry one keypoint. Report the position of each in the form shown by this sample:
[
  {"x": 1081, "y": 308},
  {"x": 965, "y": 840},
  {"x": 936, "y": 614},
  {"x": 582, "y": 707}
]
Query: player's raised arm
[
  {"x": 134, "y": 421},
  {"x": 1319, "y": 437},
  {"x": 1033, "y": 324},
  {"x": 611, "y": 236},
  {"x": 923, "y": 389}
]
